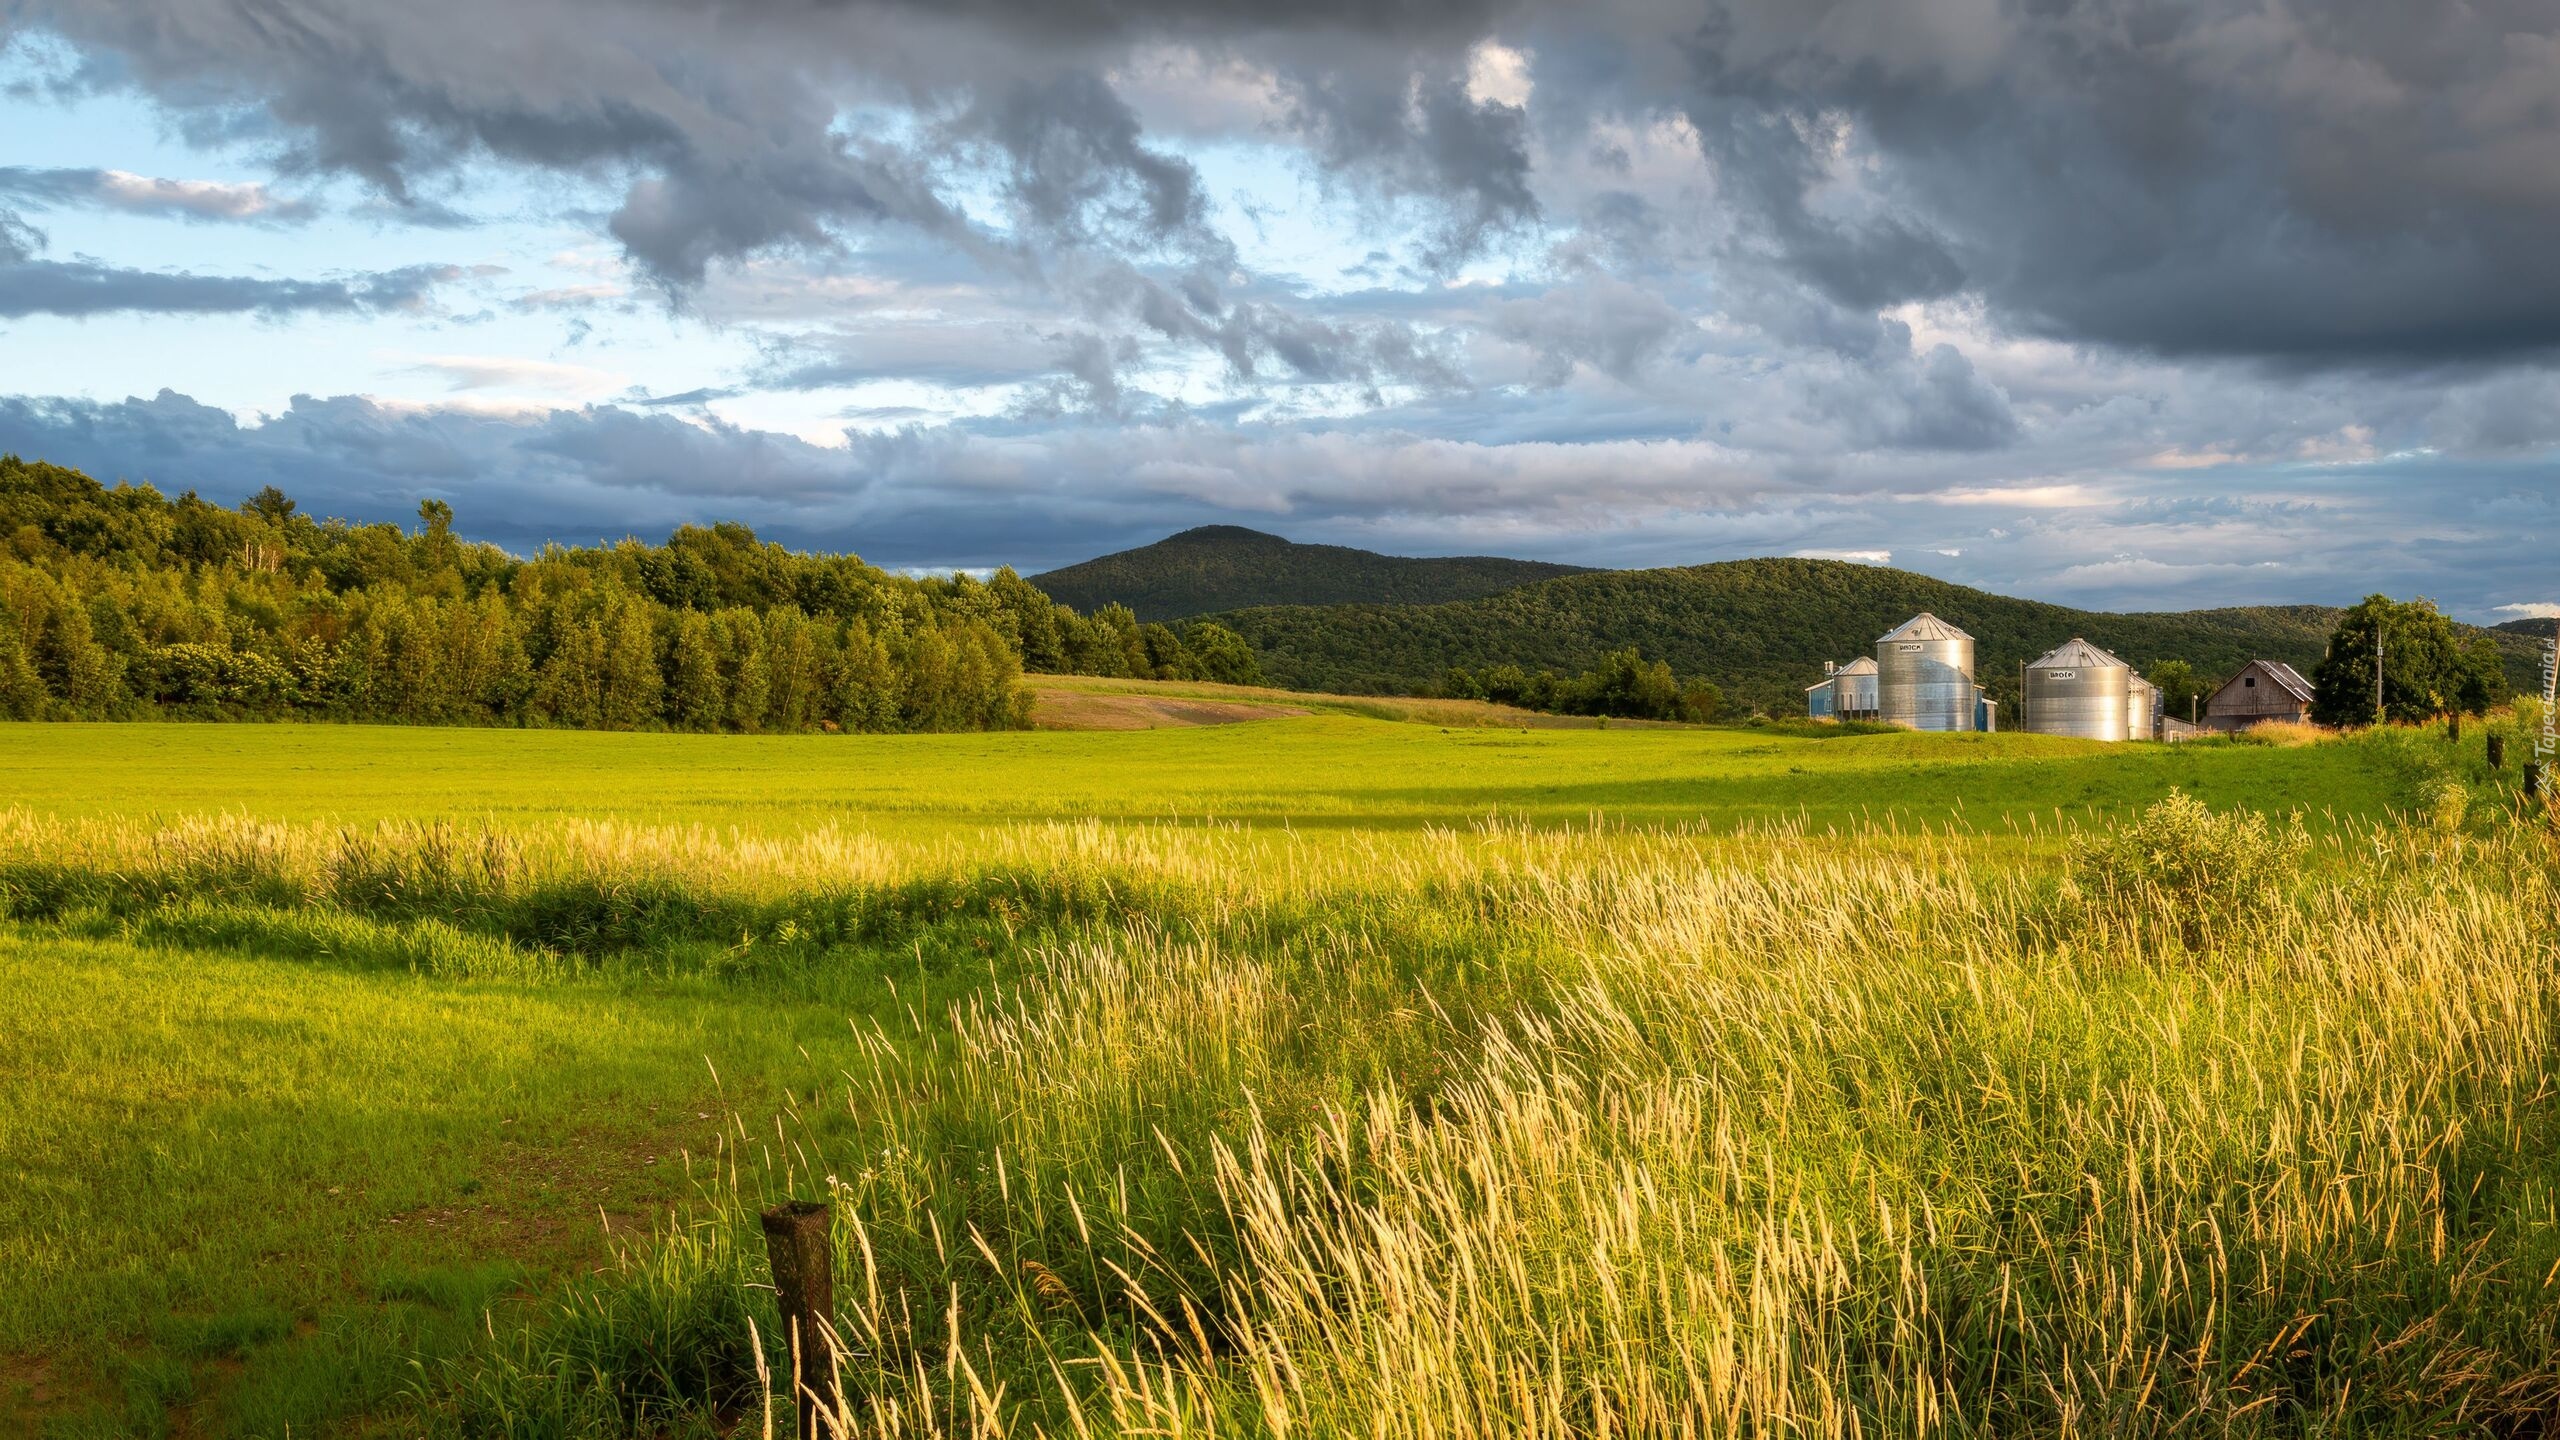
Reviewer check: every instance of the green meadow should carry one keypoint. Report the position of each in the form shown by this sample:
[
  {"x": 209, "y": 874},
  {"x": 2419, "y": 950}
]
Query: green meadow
[
  {"x": 1330, "y": 770},
  {"x": 1310, "y": 1076}
]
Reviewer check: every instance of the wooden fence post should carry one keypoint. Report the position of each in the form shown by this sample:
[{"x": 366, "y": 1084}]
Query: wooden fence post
[
  {"x": 2532, "y": 778},
  {"x": 797, "y": 1242},
  {"x": 2497, "y": 751}
]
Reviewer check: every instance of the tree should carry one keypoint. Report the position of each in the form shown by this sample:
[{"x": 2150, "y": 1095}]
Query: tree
[
  {"x": 2182, "y": 690},
  {"x": 2423, "y": 668},
  {"x": 2483, "y": 681},
  {"x": 863, "y": 692},
  {"x": 1700, "y": 702},
  {"x": 632, "y": 685},
  {"x": 1220, "y": 654},
  {"x": 269, "y": 504},
  {"x": 1626, "y": 684},
  {"x": 694, "y": 700},
  {"x": 80, "y": 672},
  {"x": 744, "y": 670},
  {"x": 21, "y": 690},
  {"x": 569, "y": 687},
  {"x": 437, "y": 544}
]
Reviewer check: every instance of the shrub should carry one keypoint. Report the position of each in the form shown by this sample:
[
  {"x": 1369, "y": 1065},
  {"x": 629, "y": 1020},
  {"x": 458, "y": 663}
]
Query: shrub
[
  {"x": 2445, "y": 803},
  {"x": 2183, "y": 862}
]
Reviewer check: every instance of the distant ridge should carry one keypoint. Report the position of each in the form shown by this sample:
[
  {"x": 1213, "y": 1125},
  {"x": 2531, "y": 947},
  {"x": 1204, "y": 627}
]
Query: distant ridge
[
  {"x": 1760, "y": 629},
  {"x": 1228, "y": 567}
]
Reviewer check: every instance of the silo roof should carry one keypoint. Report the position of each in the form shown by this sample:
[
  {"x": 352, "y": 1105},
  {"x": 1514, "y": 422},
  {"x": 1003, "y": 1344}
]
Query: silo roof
[
  {"x": 2077, "y": 654},
  {"x": 1863, "y": 665},
  {"x": 1924, "y": 626}
]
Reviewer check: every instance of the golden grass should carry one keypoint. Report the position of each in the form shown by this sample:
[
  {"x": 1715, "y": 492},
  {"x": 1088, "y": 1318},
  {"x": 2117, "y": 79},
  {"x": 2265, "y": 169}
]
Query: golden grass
[
  {"x": 2289, "y": 734},
  {"x": 1569, "y": 1135}
]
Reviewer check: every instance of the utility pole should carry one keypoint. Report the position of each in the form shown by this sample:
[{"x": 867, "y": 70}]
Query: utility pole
[{"x": 2377, "y": 669}]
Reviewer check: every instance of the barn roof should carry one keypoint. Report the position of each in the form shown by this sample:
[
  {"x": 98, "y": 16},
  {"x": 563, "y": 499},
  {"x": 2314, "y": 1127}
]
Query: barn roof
[
  {"x": 2077, "y": 654},
  {"x": 2288, "y": 677},
  {"x": 1924, "y": 626}
]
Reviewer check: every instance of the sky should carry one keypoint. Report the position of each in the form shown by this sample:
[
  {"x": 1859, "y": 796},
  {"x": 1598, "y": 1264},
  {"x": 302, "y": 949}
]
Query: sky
[{"x": 2119, "y": 303}]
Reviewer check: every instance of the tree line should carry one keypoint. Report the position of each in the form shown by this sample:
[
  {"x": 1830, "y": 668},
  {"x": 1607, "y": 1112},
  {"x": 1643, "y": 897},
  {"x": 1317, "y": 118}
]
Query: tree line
[
  {"x": 120, "y": 602},
  {"x": 1624, "y": 683}
]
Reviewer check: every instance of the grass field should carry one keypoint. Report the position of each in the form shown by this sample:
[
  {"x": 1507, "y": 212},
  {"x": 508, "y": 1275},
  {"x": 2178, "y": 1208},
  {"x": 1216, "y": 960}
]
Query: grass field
[
  {"x": 1322, "y": 771},
  {"x": 1303, "y": 1076}
]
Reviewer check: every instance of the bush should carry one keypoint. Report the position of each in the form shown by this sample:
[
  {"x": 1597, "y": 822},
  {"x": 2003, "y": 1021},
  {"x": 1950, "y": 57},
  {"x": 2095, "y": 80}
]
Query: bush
[
  {"x": 2183, "y": 862},
  {"x": 2445, "y": 803}
]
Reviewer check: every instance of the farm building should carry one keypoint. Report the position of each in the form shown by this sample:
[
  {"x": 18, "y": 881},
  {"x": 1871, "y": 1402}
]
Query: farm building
[
  {"x": 2080, "y": 690},
  {"x": 2263, "y": 690},
  {"x": 1846, "y": 692},
  {"x": 1921, "y": 677}
]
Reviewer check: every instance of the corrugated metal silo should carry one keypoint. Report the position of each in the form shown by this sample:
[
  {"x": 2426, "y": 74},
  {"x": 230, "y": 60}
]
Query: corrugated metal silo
[
  {"x": 1924, "y": 675},
  {"x": 2077, "y": 689},
  {"x": 2142, "y": 705},
  {"x": 1853, "y": 689}
]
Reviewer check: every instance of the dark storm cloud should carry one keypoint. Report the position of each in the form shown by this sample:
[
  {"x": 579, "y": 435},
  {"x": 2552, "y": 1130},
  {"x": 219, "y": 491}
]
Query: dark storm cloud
[
  {"x": 2348, "y": 181},
  {"x": 722, "y": 130},
  {"x": 1079, "y": 174},
  {"x": 1402, "y": 137}
]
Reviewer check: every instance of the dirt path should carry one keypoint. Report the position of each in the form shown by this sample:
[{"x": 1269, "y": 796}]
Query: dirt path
[{"x": 1085, "y": 710}]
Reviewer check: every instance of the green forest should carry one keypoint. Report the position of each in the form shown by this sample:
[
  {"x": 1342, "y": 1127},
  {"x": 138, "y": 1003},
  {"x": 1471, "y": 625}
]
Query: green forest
[
  {"x": 1228, "y": 567},
  {"x": 125, "y": 603},
  {"x": 1759, "y": 629}
]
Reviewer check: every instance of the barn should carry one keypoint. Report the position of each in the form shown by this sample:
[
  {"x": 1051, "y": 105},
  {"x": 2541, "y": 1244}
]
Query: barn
[{"x": 2263, "y": 690}]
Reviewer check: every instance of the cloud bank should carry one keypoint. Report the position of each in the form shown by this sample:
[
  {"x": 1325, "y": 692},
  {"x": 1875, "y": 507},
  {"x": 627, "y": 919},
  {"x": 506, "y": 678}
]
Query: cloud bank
[{"x": 2239, "y": 300}]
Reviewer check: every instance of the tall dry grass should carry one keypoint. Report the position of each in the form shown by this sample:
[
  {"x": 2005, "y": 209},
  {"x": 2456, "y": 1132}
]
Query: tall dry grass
[{"x": 1510, "y": 1134}]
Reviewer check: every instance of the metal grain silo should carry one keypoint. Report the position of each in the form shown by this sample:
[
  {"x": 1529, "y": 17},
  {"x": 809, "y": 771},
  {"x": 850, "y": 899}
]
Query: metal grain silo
[
  {"x": 2077, "y": 689},
  {"x": 1853, "y": 689},
  {"x": 1924, "y": 675},
  {"x": 2142, "y": 705}
]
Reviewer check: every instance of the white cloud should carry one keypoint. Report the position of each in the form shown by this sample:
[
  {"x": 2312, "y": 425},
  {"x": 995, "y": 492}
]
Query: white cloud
[
  {"x": 1498, "y": 75},
  {"x": 2021, "y": 497},
  {"x": 514, "y": 372},
  {"x": 213, "y": 198}
]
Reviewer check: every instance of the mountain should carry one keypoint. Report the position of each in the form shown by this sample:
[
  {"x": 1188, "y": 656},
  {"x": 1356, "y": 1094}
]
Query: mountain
[
  {"x": 1227, "y": 567},
  {"x": 2532, "y": 628},
  {"x": 1760, "y": 629}
]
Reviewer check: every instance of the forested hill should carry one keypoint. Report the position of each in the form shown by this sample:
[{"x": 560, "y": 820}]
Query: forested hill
[
  {"x": 1760, "y": 629},
  {"x": 1227, "y": 567},
  {"x": 125, "y": 603}
]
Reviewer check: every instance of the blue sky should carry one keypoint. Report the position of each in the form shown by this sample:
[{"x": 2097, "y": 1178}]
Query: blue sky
[{"x": 2259, "y": 314}]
